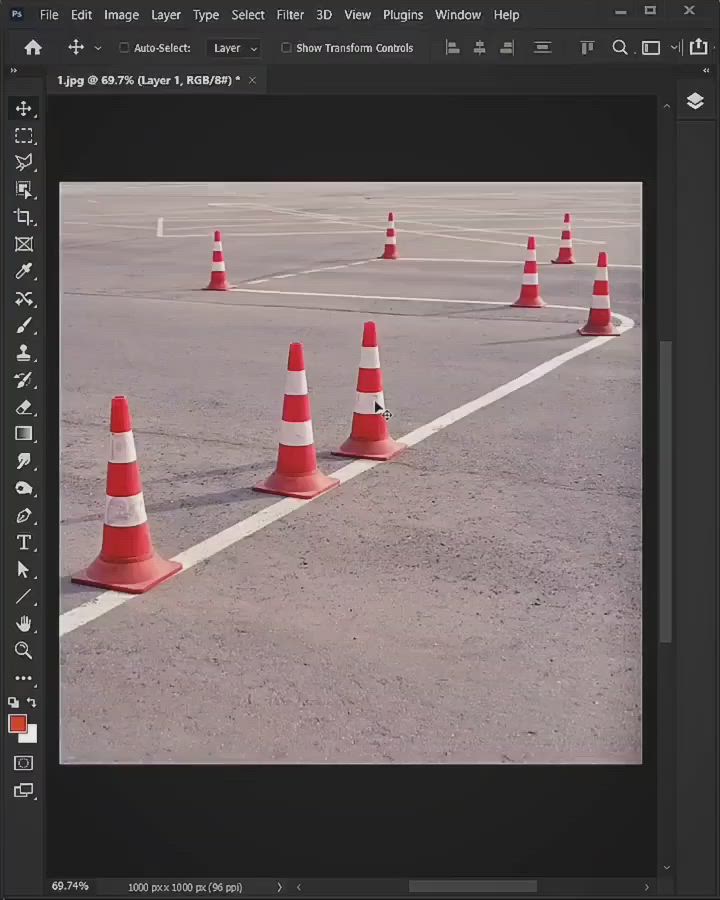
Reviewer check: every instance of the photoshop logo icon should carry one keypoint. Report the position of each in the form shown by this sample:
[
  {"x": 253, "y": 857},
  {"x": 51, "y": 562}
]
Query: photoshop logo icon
[{"x": 17, "y": 14}]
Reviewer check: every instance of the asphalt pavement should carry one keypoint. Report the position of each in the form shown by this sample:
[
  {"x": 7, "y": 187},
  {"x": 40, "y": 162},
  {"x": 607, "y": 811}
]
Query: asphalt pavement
[{"x": 476, "y": 599}]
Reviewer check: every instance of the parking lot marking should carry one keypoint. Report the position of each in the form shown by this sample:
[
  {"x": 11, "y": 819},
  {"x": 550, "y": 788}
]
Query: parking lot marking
[
  {"x": 109, "y": 600},
  {"x": 332, "y": 294}
]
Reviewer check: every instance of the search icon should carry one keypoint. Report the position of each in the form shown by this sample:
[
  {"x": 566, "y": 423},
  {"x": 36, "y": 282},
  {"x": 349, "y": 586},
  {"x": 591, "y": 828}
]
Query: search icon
[
  {"x": 22, "y": 649},
  {"x": 619, "y": 46}
]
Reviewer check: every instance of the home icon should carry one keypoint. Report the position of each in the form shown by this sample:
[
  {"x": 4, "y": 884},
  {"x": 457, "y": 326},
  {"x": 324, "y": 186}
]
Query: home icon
[{"x": 33, "y": 48}]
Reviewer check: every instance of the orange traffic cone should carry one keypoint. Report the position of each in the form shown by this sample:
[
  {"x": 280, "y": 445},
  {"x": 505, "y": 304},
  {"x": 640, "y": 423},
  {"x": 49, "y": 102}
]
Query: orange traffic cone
[
  {"x": 296, "y": 473},
  {"x": 530, "y": 291},
  {"x": 218, "y": 275},
  {"x": 127, "y": 560},
  {"x": 565, "y": 255},
  {"x": 391, "y": 250},
  {"x": 369, "y": 436},
  {"x": 600, "y": 317}
]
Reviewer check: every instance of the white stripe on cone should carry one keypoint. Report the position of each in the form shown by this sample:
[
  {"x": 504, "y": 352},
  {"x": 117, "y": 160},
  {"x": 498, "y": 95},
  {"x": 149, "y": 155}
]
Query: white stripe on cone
[
  {"x": 369, "y": 358},
  {"x": 217, "y": 245},
  {"x": 125, "y": 512},
  {"x": 390, "y": 240},
  {"x": 531, "y": 256},
  {"x": 566, "y": 243},
  {"x": 600, "y": 302},
  {"x": 601, "y": 275},
  {"x": 122, "y": 448},
  {"x": 217, "y": 267},
  {"x": 296, "y": 434},
  {"x": 296, "y": 384},
  {"x": 365, "y": 402},
  {"x": 530, "y": 278}
]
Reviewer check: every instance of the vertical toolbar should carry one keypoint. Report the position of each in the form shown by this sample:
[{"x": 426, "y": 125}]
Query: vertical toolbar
[{"x": 24, "y": 427}]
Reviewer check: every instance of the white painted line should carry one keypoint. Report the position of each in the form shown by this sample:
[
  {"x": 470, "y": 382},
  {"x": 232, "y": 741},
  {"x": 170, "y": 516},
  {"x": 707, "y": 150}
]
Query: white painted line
[
  {"x": 113, "y": 225},
  {"x": 109, "y": 600},
  {"x": 159, "y": 230},
  {"x": 258, "y": 281},
  {"x": 264, "y": 234},
  {"x": 332, "y": 294},
  {"x": 502, "y": 262},
  {"x": 289, "y": 275},
  {"x": 494, "y": 230}
]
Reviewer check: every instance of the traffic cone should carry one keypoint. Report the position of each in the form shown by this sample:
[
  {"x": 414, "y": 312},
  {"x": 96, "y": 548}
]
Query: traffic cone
[
  {"x": 565, "y": 255},
  {"x": 218, "y": 275},
  {"x": 296, "y": 473},
  {"x": 369, "y": 435},
  {"x": 530, "y": 291},
  {"x": 600, "y": 317},
  {"x": 127, "y": 560},
  {"x": 391, "y": 250}
]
